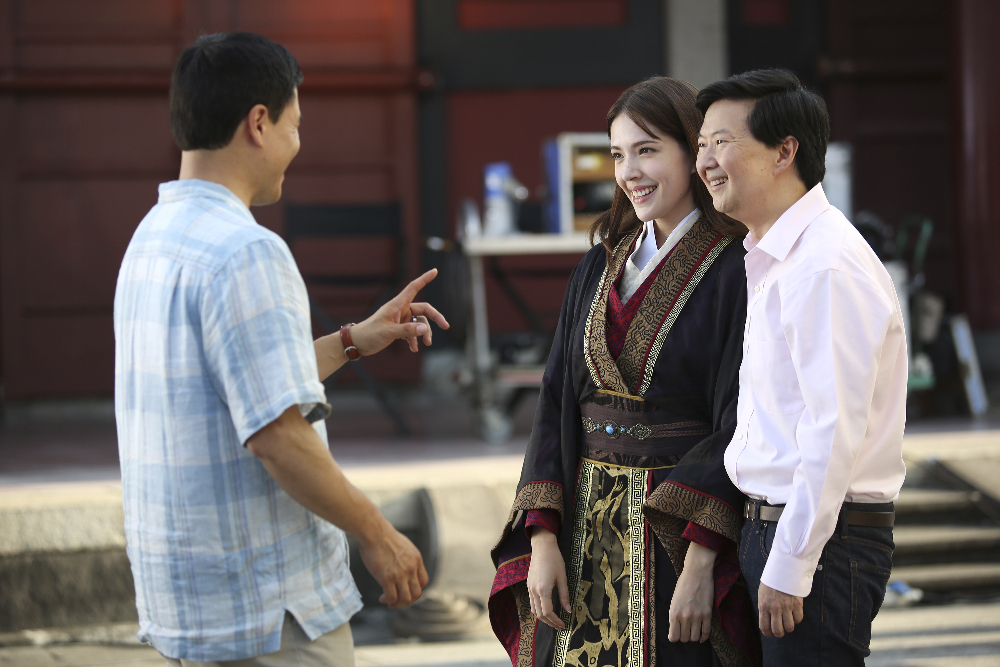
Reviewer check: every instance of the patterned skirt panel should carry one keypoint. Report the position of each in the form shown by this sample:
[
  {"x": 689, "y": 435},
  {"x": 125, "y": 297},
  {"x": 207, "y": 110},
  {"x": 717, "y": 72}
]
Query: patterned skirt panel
[
  {"x": 611, "y": 567},
  {"x": 609, "y": 580}
]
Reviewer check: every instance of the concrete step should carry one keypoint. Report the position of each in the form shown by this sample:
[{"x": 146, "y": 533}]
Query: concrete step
[
  {"x": 950, "y": 576},
  {"x": 929, "y": 544},
  {"x": 62, "y": 556},
  {"x": 925, "y": 539},
  {"x": 62, "y": 546},
  {"x": 923, "y": 501},
  {"x": 61, "y": 517}
]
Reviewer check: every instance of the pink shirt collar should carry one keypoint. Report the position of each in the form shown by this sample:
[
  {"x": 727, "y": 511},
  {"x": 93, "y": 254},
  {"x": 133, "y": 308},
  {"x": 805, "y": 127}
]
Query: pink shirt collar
[{"x": 787, "y": 229}]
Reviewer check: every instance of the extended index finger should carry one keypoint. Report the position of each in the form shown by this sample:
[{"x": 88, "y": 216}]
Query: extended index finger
[{"x": 417, "y": 284}]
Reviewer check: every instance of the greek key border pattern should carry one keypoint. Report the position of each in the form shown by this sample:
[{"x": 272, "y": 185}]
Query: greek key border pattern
[
  {"x": 580, "y": 510},
  {"x": 637, "y": 576},
  {"x": 594, "y": 375}
]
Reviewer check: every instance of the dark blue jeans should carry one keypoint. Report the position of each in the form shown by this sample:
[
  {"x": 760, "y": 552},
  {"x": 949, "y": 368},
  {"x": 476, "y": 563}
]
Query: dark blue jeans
[{"x": 847, "y": 591}]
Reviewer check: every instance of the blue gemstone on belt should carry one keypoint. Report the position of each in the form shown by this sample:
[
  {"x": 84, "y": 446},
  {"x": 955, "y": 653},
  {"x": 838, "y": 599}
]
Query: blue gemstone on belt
[{"x": 610, "y": 429}]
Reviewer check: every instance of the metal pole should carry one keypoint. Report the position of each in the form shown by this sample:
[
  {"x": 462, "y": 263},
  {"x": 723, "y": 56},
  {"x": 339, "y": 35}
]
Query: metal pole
[{"x": 481, "y": 359}]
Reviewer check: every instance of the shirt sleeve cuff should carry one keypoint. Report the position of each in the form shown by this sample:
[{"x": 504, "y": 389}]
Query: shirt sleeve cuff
[
  {"x": 545, "y": 518},
  {"x": 788, "y": 574},
  {"x": 314, "y": 412}
]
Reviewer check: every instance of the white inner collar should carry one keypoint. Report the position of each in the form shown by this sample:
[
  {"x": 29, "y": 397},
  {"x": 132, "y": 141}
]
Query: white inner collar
[{"x": 646, "y": 256}]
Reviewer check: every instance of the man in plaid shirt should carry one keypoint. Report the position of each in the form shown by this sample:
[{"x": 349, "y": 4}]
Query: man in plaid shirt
[{"x": 235, "y": 511}]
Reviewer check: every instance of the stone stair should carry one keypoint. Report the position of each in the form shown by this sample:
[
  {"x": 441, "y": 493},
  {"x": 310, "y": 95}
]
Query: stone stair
[
  {"x": 62, "y": 545},
  {"x": 945, "y": 542}
]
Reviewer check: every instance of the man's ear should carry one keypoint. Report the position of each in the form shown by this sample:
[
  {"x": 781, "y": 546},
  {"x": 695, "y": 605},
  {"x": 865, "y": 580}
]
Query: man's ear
[
  {"x": 787, "y": 150},
  {"x": 256, "y": 121}
]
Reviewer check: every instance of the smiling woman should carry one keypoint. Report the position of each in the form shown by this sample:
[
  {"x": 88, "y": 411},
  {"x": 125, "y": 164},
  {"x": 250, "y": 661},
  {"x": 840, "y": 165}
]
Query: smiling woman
[
  {"x": 624, "y": 506},
  {"x": 653, "y": 138},
  {"x": 655, "y": 173}
]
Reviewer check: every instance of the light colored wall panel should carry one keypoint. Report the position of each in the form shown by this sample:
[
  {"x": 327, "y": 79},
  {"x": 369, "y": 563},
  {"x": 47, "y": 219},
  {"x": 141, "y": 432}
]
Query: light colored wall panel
[{"x": 696, "y": 40}]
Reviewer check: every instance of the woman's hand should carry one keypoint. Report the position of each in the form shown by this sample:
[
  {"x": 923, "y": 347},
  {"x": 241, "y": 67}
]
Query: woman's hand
[
  {"x": 691, "y": 606},
  {"x": 547, "y": 571}
]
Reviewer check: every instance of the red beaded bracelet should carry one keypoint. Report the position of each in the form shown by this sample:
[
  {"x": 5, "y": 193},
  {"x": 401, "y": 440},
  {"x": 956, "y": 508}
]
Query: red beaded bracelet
[{"x": 345, "y": 337}]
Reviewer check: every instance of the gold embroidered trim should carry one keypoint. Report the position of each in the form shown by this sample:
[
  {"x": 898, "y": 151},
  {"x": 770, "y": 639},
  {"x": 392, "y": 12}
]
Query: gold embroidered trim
[
  {"x": 539, "y": 496},
  {"x": 618, "y": 393},
  {"x": 513, "y": 560},
  {"x": 603, "y": 370},
  {"x": 668, "y": 323},
  {"x": 651, "y": 633},
  {"x": 581, "y": 508},
  {"x": 670, "y": 291},
  {"x": 637, "y": 579},
  {"x": 660, "y": 299},
  {"x": 615, "y": 465},
  {"x": 669, "y": 509},
  {"x": 531, "y": 496},
  {"x": 527, "y": 621},
  {"x": 594, "y": 376}
]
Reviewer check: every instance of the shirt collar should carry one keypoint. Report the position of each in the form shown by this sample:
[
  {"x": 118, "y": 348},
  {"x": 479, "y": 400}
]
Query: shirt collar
[
  {"x": 682, "y": 228},
  {"x": 787, "y": 229},
  {"x": 172, "y": 191}
]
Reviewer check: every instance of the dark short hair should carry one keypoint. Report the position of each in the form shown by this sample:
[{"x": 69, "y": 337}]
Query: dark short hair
[
  {"x": 661, "y": 107},
  {"x": 219, "y": 78},
  {"x": 783, "y": 108}
]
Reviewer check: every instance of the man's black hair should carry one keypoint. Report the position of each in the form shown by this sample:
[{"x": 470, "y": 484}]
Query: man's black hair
[
  {"x": 218, "y": 79},
  {"x": 783, "y": 108}
]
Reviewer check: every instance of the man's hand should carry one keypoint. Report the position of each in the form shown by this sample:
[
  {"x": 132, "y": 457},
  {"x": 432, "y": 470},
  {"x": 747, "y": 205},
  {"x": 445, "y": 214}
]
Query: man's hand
[
  {"x": 396, "y": 565},
  {"x": 779, "y": 612},
  {"x": 691, "y": 607},
  {"x": 547, "y": 571},
  {"x": 297, "y": 458},
  {"x": 394, "y": 320},
  {"x": 400, "y": 318}
]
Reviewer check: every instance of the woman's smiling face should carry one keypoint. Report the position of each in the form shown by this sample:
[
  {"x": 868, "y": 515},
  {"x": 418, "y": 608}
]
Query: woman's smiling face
[{"x": 655, "y": 172}]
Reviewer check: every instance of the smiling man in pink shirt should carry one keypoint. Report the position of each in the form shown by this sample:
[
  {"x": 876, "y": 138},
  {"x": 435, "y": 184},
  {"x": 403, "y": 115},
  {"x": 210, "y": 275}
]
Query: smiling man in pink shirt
[{"x": 818, "y": 442}]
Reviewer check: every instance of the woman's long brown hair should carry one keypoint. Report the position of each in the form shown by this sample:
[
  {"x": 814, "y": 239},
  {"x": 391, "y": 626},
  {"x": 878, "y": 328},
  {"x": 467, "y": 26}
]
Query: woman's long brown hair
[{"x": 659, "y": 106}]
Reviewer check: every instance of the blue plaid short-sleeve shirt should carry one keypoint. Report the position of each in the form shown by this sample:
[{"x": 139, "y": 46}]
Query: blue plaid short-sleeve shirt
[{"x": 213, "y": 342}]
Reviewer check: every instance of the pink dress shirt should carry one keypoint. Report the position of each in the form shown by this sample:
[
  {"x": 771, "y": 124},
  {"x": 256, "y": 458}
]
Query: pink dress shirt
[{"x": 822, "y": 399}]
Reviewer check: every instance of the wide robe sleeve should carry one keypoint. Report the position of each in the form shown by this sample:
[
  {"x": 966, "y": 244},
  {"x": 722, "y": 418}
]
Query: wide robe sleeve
[{"x": 550, "y": 463}]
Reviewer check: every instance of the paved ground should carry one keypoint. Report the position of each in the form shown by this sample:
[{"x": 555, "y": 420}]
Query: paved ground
[
  {"x": 455, "y": 654},
  {"x": 957, "y": 635},
  {"x": 960, "y": 635}
]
